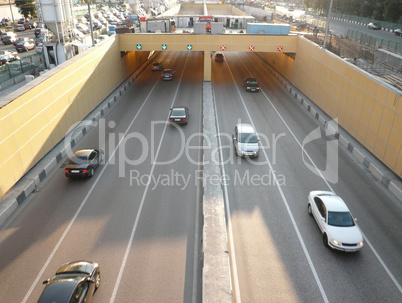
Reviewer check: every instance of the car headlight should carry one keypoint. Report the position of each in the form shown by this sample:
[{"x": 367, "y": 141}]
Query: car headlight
[
  {"x": 336, "y": 242},
  {"x": 360, "y": 243}
]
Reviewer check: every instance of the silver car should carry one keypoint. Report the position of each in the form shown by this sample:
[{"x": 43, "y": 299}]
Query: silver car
[{"x": 245, "y": 141}]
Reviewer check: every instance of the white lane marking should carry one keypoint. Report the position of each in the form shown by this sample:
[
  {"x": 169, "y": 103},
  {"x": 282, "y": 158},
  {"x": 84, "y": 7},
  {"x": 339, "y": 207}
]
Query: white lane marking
[
  {"x": 82, "y": 204},
  {"x": 229, "y": 222},
  {"x": 296, "y": 228},
  {"x": 137, "y": 218},
  {"x": 329, "y": 186}
]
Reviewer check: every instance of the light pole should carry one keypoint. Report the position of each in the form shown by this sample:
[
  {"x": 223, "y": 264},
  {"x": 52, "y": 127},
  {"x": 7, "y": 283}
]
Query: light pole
[
  {"x": 327, "y": 28},
  {"x": 12, "y": 16}
]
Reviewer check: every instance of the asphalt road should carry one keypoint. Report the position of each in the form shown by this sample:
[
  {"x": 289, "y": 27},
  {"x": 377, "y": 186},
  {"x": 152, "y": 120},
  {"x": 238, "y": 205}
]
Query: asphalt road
[
  {"x": 279, "y": 255},
  {"x": 146, "y": 236}
]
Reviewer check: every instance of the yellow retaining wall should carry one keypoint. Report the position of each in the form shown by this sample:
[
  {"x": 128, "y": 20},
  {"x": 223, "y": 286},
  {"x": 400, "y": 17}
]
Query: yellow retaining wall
[
  {"x": 34, "y": 122},
  {"x": 366, "y": 108}
]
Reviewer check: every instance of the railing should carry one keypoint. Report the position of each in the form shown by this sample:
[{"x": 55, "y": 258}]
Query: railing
[
  {"x": 18, "y": 67},
  {"x": 374, "y": 42}
]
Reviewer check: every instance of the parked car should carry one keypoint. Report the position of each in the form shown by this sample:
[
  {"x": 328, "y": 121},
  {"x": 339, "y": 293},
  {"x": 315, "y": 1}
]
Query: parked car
[
  {"x": 7, "y": 57},
  {"x": 251, "y": 85},
  {"x": 20, "y": 27},
  {"x": 29, "y": 25},
  {"x": 167, "y": 74},
  {"x": 245, "y": 141},
  {"x": 25, "y": 45},
  {"x": 179, "y": 115},
  {"x": 73, "y": 282},
  {"x": 39, "y": 31},
  {"x": 373, "y": 25},
  {"x": 9, "y": 38},
  {"x": 83, "y": 163},
  {"x": 218, "y": 57},
  {"x": 337, "y": 225},
  {"x": 156, "y": 66},
  {"x": 398, "y": 32}
]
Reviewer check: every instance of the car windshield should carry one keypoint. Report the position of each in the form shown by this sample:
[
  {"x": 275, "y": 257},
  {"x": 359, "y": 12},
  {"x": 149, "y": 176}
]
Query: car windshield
[
  {"x": 247, "y": 138},
  {"x": 252, "y": 81},
  {"x": 155, "y": 64},
  {"x": 79, "y": 160},
  {"x": 337, "y": 218},
  {"x": 178, "y": 112}
]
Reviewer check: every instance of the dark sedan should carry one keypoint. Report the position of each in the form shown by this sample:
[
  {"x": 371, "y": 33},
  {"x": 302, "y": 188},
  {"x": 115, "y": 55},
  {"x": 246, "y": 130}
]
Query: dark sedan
[
  {"x": 179, "y": 115},
  {"x": 83, "y": 163},
  {"x": 251, "y": 85},
  {"x": 167, "y": 74},
  {"x": 73, "y": 282}
]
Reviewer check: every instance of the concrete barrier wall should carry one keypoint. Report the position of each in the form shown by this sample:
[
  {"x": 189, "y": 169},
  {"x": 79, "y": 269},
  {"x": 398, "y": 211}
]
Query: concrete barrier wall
[
  {"x": 41, "y": 113},
  {"x": 367, "y": 108}
]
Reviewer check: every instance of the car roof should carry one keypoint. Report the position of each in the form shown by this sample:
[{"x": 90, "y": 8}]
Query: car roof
[
  {"x": 167, "y": 70},
  {"x": 333, "y": 203},
  {"x": 83, "y": 152},
  {"x": 77, "y": 267},
  {"x": 57, "y": 291},
  {"x": 245, "y": 128}
]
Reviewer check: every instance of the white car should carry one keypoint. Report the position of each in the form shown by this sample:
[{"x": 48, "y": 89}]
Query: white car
[
  {"x": 245, "y": 141},
  {"x": 338, "y": 227}
]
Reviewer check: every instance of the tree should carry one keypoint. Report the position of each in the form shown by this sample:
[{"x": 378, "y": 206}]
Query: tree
[{"x": 27, "y": 8}]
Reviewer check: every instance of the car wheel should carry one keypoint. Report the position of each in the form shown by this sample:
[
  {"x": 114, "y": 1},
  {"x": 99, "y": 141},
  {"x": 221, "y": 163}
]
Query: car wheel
[
  {"x": 325, "y": 240},
  {"x": 97, "y": 281},
  {"x": 91, "y": 172},
  {"x": 309, "y": 209}
]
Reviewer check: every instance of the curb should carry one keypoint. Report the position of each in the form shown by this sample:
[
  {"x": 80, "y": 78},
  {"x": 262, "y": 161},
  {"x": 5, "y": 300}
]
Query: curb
[{"x": 379, "y": 171}]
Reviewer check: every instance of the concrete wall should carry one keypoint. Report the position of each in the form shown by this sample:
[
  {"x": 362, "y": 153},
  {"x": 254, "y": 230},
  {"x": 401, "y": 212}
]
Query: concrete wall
[
  {"x": 369, "y": 109},
  {"x": 40, "y": 113}
]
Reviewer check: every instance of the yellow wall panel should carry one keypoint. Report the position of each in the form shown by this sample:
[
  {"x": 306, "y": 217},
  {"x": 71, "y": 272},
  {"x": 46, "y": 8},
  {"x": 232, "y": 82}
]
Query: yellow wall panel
[
  {"x": 384, "y": 131},
  {"x": 378, "y": 108},
  {"x": 371, "y": 137},
  {"x": 395, "y": 140},
  {"x": 365, "y": 116},
  {"x": 374, "y": 123},
  {"x": 362, "y": 131},
  {"x": 391, "y": 156},
  {"x": 379, "y": 147},
  {"x": 388, "y": 115}
]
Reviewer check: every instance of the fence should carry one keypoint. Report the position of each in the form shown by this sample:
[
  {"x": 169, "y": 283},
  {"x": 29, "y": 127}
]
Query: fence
[
  {"x": 374, "y": 42},
  {"x": 15, "y": 68}
]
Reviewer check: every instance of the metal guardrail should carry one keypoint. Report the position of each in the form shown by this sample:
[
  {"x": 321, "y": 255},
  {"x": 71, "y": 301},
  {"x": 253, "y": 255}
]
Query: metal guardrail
[
  {"x": 362, "y": 20},
  {"x": 374, "y": 42},
  {"x": 18, "y": 67}
]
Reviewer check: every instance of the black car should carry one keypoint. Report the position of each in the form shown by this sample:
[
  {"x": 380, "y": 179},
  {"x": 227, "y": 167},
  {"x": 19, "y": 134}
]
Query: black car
[
  {"x": 218, "y": 57},
  {"x": 251, "y": 85},
  {"x": 38, "y": 31},
  {"x": 83, "y": 163},
  {"x": 167, "y": 74},
  {"x": 179, "y": 115},
  {"x": 8, "y": 39},
  {"x": 73, "y": 282}
]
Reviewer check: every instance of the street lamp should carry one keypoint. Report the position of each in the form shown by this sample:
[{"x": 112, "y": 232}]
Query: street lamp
[
  {"x": 327, "y": 28},
  {"x": 12, "y": 16}
]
